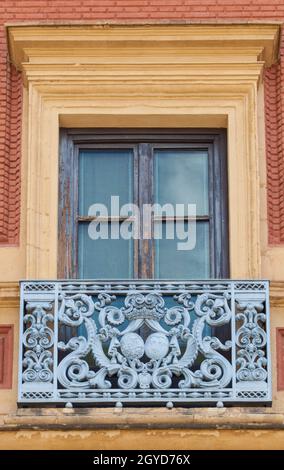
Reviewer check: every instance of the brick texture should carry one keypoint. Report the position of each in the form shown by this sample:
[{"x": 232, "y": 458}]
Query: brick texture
[{"x": 133, "y": 10}]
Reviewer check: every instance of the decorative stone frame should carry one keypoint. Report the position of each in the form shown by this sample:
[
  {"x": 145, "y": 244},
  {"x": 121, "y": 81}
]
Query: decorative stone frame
[{"x": 144, "y": 76}]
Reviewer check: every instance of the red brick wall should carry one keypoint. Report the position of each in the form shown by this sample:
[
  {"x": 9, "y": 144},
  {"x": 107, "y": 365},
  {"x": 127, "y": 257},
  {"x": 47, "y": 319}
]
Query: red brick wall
[{"x": 129, "y": 10}]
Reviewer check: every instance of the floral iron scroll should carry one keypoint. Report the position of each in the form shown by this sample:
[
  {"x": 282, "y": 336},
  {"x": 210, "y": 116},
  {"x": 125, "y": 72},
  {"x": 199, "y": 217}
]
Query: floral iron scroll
[{"x": 146, "y": 344}]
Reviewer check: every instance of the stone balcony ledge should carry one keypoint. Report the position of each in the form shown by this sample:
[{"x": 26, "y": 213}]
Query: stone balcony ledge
[{"x": 142, "y": 418}]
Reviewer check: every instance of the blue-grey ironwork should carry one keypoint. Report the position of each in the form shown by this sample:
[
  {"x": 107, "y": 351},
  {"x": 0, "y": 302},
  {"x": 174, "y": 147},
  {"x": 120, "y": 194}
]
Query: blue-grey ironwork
[{"x": 144, "y": 343}]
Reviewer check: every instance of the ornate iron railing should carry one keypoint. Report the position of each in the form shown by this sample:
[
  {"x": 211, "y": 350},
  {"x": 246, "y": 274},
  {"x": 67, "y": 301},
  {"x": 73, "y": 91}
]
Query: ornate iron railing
[{"x": 202, "y": 342}]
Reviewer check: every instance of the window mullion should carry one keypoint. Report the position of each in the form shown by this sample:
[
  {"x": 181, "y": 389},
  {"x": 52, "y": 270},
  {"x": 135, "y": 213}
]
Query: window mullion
[{"x": 145, "y": 197}]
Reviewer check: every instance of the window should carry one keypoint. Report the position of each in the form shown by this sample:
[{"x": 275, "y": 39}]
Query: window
[
  {"x": 143, "y": 76},
  {"x": 144, "y": 168}
]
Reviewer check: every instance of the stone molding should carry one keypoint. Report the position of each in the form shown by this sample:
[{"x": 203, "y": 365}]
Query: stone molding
[
  {"x": 155, "y": 76},
  {"x": 142, "y": 418}
]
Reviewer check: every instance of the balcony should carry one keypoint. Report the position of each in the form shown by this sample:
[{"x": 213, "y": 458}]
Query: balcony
[{"x": 144, "y": 343}]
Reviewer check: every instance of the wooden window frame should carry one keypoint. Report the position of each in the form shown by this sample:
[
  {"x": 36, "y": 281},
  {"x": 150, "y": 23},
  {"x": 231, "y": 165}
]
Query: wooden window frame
[{"x": 211, "y": 140}]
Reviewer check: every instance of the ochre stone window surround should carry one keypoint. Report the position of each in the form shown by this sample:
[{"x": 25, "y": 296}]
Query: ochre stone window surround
[{"x": 144, "y": 76}]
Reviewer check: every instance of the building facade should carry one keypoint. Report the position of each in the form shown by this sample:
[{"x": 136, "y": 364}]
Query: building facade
[{"x": 119, "y": 343}]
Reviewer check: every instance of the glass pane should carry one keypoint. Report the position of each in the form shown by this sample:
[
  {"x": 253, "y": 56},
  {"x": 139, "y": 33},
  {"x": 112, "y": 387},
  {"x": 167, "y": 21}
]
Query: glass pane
[
  {"x": 102, "y": 174},
  {"x": 104, "y": 259},
  {"x": 171, "y": 263},
  {"x": 181, "y": 177}
]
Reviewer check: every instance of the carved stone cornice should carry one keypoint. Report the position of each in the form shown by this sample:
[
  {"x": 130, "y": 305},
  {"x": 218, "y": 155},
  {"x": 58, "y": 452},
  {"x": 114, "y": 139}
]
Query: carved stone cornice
[
  {"x": 9, "y": 294},
  {"x": 199, "y": 42},
  {"x": 277, "y": 293}
]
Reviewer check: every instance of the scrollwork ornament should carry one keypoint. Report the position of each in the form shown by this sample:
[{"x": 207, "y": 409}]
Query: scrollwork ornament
[
  {"x": 162, "y": 377},
  {"x": 38, "y": 367},
  {"x": 214, "y": 308},
  {"x": 38, "y": 339},
  {"x": 251, "y": 340},
  {"x": 38, "y": 335},
  {"x": 139, "y": 341},
  {"x": 120, "y": 352},
  {"x": 127, "y": 378},
  {"x": 73, "y": 309}
]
